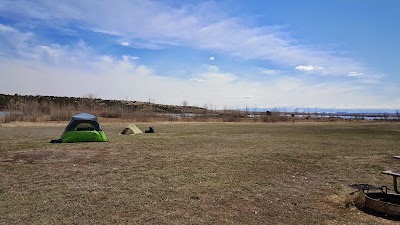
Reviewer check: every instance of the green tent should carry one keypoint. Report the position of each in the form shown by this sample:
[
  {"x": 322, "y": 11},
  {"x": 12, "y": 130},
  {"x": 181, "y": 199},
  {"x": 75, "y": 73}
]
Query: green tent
[{"x": 83, "y": 128}]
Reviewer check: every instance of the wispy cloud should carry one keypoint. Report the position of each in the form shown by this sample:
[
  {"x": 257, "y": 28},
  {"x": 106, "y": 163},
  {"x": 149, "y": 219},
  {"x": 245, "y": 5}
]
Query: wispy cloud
[
  {"x": 125, "y": 43},
  {"x": 271, "y": 71},
  {"x": 153, "y": 24},
  {"x": 125, "y": 78},
  {"x": 13, "y": 41},
  {"x": 354, "y": 74},
  {"x": 309, "y": 68},
  {"x": 27, "y": 61}
]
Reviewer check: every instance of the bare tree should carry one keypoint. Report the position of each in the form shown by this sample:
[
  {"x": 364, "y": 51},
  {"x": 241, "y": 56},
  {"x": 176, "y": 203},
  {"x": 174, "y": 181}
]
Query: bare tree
[
  {"x": 151, "y": 100},
  {"x": 184, "y": 107},
  {"x": 90, "y": 96},
  {"x": 205, "y": 111},
  {"x": 247, "y": 111}
]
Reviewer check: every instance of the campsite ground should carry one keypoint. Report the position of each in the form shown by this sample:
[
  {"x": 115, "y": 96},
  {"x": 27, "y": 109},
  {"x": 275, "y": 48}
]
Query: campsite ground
[{"x": 195, "y": 173}]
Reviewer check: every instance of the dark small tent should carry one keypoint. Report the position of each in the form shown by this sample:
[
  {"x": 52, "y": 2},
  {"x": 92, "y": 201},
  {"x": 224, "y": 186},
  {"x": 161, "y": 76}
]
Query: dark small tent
[{"x": 83, "y": 127}]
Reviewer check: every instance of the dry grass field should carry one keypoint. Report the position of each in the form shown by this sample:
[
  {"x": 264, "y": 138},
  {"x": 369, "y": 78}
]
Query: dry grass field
[{"x": 195, "y": 173}]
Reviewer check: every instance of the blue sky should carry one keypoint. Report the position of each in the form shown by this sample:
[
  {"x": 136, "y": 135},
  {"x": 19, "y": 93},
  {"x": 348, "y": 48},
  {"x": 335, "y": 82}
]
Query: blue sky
[{"x": 223, "y": 54}]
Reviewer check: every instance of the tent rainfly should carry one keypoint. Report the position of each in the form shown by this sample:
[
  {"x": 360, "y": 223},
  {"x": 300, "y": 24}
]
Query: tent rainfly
[
  {"x": 83, "y": 127},
  {"x": 132, "y": 130}
]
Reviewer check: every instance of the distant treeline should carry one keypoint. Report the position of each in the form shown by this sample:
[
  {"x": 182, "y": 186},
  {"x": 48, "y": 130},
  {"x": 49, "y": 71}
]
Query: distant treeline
[{"x": 34, "y": 108}]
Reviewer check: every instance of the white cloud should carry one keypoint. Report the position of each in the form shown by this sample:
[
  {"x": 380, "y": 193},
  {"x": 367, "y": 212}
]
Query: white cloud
[
  {"x": 125, "y": 43},
  {"x": 7, "y": 29},
  {"x": 218, "y": 77},
  {"x": 214, "y": 74},
  {"x": 196, "y": 79},
  {"x": 271, "y": 72},
  {"x": 309, "y": 68},
  {"x": 367, "y": 78},
  {"x": 212, "y": 58},
  {"x": 12, "y": 40},
  {"x": 154, "y": 24},
  {"x": 109, "y": 32},
  {"x": 354, "y": 74},
  {"x": 371, "y": 79},
  {"x": 212, "y": 68},
  {"x": 118, "y": 78}
]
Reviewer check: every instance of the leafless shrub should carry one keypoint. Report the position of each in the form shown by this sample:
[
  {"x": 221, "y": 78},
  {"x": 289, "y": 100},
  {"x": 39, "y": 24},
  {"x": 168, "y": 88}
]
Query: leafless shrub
[
  {"x": 13, "y": 117},
  {"x": 143, "y": 115},
  {"x": 231, "y": 116},
  {"x": 111, "y": 114},
  {"x": 14, "y": 114},
  {"x": 58, "y": 115},
  {"x": 275, "y": 116}
]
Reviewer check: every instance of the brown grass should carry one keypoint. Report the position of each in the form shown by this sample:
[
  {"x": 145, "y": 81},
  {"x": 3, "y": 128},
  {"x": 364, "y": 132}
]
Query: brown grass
[{"x": 195, "y": 173}]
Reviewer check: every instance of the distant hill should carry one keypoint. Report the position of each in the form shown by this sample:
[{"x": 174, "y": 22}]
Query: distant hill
[{"x": 16, "y": 102}]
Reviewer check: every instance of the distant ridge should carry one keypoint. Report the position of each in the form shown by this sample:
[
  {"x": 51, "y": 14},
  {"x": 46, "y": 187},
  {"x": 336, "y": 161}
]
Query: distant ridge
[
  {"x": 6, "y": 99},
  {"x": 327, "y": 110}
]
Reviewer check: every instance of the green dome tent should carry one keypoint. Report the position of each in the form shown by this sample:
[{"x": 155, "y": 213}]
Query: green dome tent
[{"x": 83, "y": 127}]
